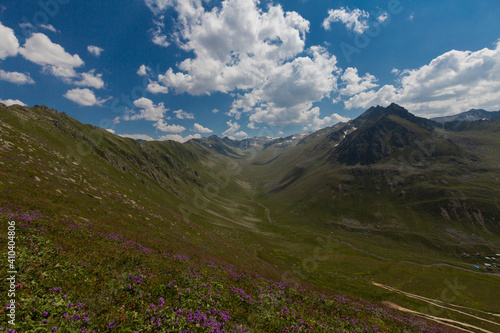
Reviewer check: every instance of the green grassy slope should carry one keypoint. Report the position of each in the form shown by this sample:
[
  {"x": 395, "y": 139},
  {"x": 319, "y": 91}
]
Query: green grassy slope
[
  {"x": 54, "y": 163},
  {"x": 286, "y": 213}
]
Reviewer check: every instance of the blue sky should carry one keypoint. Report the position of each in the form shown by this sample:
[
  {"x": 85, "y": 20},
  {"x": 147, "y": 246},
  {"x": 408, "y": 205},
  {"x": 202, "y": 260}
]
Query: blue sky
[{"x": 178, "y": 69}]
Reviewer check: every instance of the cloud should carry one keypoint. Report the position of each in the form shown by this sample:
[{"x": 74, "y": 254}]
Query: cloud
[
  {"x": 149, "y": 111},
  {"x": 27, "y": 25},
  {"x": 454, "y": 82},
  {"x": 319, "y": 123},
  {"x": 288, "y": 94},
  {"x": 395, "y": 71},
  {"x": 159, "y": 38},
  {"x": 110, "y": 130},
  {"x": 235, "y": 47},
  {"x": 10, "y": 102},
  {"x": 156, "y": 88},
  {"x": 252, "y": 126},
  {"x": 187, "y": 10},
  {"x": 9, "y": 45},
  {"x": 179, "y": 138},
  {"x": 215, "y": 110},
  {"x": 200, "y": 129},
  {"x": 84, "y": 97},
  {"x": 383, "y": 17},
  {"x": 95, "y": 50},
  {"x": 180, "y": 114},
  {"x": 29, "y": 28},
  {"x": 48, "y": 27},
  {"x": 158, "y": 6},
  {"x": 16, "y": 77},
  {"x": 240, "y": 134},
  {"x": 137, "y": 137},
  {"x": 55, "y": 60},
  {"x": 164, "y": 127},
  {"x": 90, "y": 80},
  {"x": 355, "y": 20},
  {"x": 233, "y": 127},
  {"x": 256, "y": 55},
  {"x": 143, "y": 70},
  {"x": 355, "y": 84}
]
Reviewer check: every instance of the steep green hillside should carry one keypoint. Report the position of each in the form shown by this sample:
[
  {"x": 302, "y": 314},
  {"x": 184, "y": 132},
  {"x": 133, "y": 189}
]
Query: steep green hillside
[{"x": 54, "y": 163}]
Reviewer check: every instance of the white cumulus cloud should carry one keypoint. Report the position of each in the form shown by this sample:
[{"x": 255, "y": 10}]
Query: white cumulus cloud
[
  {"x": 252, "y": 126},
  {"x": 10, "y": 102},
  {"x": 90, "y": 80},
  {"x": 158, "y": 6},
  {"x": 55, "y": 60},
  {"x": 159, "y": 38},
  {"x": 95, "y": 50},
  {"x": 355, "y": 20},
  {"x": 288, "y": 95},
  {"x": 200, "y": 129},
  {"x": 137, "y": 137},
  {"x": 257, "y": 55},
  {"x": 319, "y": 123},
  {"x": 180, "y": 138},
  {"x": 156, "y": 88},
  {"x": 240, "y": 135},
  {"x": 84, "y": 97},
  {"x": 16, "y": 77},
  {"x": 233, "y": 128},
  {"x": 454, "y": 82},
  {"x": 143, "y": 70},
  {"x": 383, "y": 17},
  {"x": 164, "y": 127},
  {"x": 149, "y": 111},
  {"x": 180, "y": 114},
  {"x": 353, "y": 84},
  {"x": 235, "y": 46},
  {"x": 9, "y": 45}
]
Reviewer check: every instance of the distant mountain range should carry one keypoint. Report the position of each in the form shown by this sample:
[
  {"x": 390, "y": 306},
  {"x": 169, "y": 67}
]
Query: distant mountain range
[
  {"x": 471, "y": 115},
  {"x": 373, "y": 136}
]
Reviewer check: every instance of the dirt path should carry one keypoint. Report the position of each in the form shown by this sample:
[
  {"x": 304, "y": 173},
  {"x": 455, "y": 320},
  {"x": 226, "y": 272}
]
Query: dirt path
[
  {"x": 267, "y": 210},
  {"x": 443, "y": 305},
  {"x": 442, "y": 321}
]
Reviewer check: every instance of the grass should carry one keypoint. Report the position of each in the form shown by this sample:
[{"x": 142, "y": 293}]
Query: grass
[
  {"x": 113, "y": 283},
  {"x": 186, "y": 200}
]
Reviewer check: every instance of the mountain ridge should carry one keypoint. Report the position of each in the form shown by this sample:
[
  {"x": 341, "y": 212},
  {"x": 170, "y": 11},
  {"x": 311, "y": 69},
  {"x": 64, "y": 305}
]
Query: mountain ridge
[{"x": 471, "y": 115}]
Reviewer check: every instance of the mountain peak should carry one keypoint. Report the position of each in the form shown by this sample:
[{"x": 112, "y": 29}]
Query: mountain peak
[
  {"x": 381, "y": 132},
  {"x": 378, "y": 111}
]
